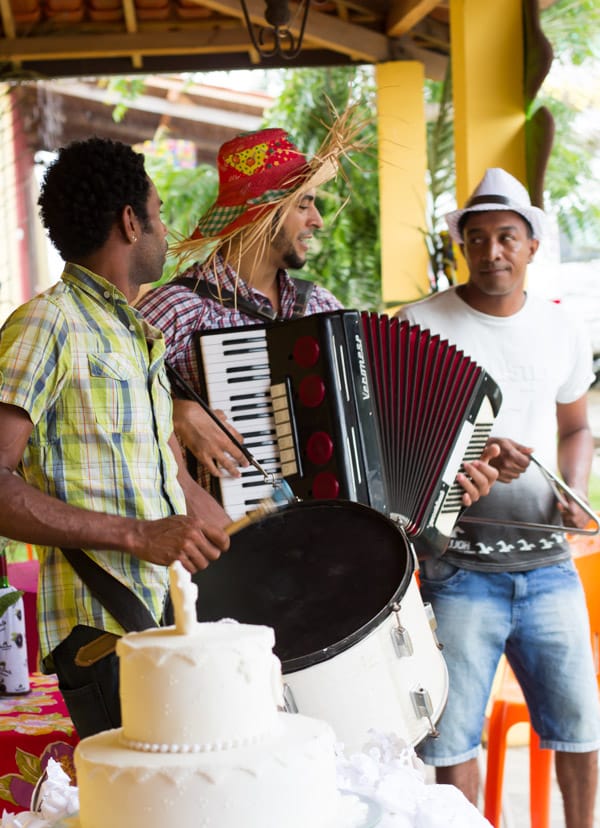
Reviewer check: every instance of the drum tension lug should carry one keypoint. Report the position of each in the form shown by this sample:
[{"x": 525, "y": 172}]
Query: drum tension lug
[
  {"x": 423, "y": 707},
  {"x": 289, "y": 702},
  {"x": 429, "y": 613},
  {"x": 400, "y": 636}
]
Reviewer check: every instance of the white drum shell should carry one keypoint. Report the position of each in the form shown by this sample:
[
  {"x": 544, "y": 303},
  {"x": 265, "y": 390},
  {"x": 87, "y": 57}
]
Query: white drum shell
[{"x": 369, "y": 686}]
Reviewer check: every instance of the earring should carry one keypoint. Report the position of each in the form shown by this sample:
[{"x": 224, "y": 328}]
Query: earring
[{"x": 134, "y": 238}]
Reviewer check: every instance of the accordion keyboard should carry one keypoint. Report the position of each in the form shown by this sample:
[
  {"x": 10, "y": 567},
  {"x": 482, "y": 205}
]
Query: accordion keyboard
[{"x": 237, "y": 381}]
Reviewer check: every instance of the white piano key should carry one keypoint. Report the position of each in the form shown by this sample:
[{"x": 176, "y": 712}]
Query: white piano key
[
  {"x": 224, "y": 390},
  {"x": 234, "y": 499},
  {"x": 236, "y": 335}
]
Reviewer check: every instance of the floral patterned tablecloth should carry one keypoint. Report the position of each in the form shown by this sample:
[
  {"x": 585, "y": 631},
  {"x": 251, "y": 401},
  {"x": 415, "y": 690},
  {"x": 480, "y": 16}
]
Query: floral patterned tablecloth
[{"x": 33, "y": 728}]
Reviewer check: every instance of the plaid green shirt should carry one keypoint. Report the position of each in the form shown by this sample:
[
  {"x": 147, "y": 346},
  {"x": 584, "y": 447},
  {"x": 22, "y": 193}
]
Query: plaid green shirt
[{"x": 89, "y": 371}]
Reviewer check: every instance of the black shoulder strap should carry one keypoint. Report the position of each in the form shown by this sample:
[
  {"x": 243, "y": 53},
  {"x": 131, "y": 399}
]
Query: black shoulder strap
[
  {"x": 304, "y": 290},
  {"x": 207, "y": 291},
  {"x": 124, "y": 605},
  {"x": 204, "y": 289}
]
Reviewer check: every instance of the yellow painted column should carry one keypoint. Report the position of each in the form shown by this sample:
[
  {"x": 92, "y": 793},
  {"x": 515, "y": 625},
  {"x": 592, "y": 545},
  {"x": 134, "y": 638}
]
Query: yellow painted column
[
  {"x": 487, "y": 79},
  {"x": 402, "y": 180}
]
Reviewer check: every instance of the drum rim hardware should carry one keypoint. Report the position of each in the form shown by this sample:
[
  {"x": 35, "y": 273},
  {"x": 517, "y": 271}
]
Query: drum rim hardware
[
  {"x": 403, "y": 646},
  {"x": 424, "y": 708}
]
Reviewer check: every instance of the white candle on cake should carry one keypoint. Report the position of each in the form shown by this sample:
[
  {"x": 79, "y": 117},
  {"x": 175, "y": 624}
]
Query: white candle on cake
[{"x": 184, "y": 593}]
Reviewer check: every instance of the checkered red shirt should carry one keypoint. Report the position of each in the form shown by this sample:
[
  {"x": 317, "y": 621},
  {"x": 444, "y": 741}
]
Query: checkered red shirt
[{"x": 179, "y": 312}]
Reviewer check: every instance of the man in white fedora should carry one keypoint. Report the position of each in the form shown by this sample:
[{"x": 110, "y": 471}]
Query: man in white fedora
[{"x": 507, "y": 588}]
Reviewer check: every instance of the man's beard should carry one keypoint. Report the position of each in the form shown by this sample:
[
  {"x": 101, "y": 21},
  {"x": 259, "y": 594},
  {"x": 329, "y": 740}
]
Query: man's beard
[{"x": 289, "y": 256}]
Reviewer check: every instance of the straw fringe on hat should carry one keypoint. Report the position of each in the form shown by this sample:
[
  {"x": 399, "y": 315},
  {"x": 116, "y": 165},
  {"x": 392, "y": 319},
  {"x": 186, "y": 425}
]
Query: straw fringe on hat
[
  {"x": 498, "y": 190},
  {"x": 262, "y": 175}
]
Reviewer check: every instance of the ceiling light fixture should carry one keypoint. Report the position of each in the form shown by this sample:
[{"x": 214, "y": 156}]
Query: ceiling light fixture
[{"x": 276, "y": 39}]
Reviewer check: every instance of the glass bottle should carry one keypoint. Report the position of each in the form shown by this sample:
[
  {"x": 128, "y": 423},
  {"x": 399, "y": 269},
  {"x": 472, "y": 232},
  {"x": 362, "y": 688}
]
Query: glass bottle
[{"x": 14, "y": 668}]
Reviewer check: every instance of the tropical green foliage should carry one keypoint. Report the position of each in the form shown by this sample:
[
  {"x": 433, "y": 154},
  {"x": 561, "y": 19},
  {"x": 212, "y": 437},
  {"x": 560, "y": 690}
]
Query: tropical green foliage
[
  {"x": 568, "y": 177},
  {"x": 441, "y": 177},
  {"x": 346, "y": 256},
  {"x": 128, "y": 88},
  {"x": 440, "y": 145},
  {"x": 573, "y": 28}
]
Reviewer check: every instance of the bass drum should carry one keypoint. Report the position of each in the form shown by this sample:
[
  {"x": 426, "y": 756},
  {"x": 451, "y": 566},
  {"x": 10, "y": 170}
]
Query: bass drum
[{"x": 335, "y": 580}]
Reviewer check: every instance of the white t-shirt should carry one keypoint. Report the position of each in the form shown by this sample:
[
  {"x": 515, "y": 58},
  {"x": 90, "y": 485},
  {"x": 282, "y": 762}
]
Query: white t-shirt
[{"x": 538, "y": 357}]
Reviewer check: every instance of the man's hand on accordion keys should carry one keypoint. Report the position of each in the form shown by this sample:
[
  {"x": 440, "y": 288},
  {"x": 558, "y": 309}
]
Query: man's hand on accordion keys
[
  {"x": 479, "y": 476},
  {"x": 207, "y": 442}
]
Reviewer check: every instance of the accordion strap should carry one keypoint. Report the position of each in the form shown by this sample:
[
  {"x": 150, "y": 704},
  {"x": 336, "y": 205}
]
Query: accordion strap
[
  {"x": 124, "y": 605},
  {"x": 204, "y": 289}
]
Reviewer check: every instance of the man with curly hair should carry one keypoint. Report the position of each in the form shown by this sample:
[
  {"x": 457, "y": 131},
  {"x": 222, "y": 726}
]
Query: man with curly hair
[{"x": 90, "y": 471}]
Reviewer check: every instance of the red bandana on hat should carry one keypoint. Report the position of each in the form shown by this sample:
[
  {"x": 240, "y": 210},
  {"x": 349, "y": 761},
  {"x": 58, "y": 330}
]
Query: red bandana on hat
[{"x": 254, "y": 169}]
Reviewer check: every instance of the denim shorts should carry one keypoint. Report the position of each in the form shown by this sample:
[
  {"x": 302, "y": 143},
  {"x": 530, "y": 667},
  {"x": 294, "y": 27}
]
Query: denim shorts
[{"x": 539, "y": 620}]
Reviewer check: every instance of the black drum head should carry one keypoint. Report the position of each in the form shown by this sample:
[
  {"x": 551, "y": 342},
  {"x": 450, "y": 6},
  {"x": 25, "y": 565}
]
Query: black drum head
[{"x": 321, "y": 573}]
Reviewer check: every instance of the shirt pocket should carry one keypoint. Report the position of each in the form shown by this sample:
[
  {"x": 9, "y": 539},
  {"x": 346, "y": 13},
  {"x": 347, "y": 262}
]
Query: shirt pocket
[{"x": 118, "y": 391}]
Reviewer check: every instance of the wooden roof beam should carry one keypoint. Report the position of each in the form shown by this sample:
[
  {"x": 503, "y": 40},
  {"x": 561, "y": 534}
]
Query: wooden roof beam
[
  {"x": 149, "y": 104},
  {"x": 130, "y": 16},
  {"x": 435, "y": 63},
  {"x": 404, "y": 14},
  {"x": 8, "y": 21},
  {"x": 322, "y": 30},
  {"x": 68, "y": 47},
  {"x": 131, "y": 26}
]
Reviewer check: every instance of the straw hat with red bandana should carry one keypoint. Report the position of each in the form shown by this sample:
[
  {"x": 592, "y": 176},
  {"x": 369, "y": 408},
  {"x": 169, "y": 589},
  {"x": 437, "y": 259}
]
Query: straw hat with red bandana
[{"x": 262, "y": 174}]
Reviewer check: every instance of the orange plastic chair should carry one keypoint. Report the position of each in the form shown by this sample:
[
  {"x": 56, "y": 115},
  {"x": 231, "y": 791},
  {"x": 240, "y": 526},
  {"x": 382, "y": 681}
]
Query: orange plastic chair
[{"x": 509, "y": 708}]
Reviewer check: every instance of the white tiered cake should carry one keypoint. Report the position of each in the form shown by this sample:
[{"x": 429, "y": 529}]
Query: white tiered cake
[{"x": 203, "y": 743}]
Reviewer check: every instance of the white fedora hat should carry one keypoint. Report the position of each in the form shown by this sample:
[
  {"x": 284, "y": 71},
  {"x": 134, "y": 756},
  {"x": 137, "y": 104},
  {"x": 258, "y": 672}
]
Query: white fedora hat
[{"x": 498, "y": 190}]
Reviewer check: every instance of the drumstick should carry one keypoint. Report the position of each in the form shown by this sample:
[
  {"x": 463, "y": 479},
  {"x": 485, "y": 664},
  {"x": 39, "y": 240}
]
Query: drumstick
[
  {"x": 281, "y": 497},
  {"x": 265, "y": 508}
]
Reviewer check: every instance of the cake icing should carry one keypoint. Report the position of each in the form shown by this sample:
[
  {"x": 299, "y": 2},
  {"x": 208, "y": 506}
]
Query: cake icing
[
  {"x": 203, "y": 743},
  {"x": 220, "y": 690},
  {"x": 289, "y": 779}
]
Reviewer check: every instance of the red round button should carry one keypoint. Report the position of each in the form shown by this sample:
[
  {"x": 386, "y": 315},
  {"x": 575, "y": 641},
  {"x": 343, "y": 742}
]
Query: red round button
[
  {"x": 319, "y": 448},
  {"x": 306, "y": 351},
  {"x": 325, "y": 486},
  {"x": 311, "y": 391}
]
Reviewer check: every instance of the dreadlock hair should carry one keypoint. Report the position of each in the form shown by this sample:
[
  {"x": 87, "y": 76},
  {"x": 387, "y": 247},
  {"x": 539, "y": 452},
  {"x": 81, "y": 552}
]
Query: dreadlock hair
[{"x": 85, "y": 190}]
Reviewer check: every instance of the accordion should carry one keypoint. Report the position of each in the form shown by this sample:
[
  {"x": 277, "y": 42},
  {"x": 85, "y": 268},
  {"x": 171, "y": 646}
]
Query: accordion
[{"x": 351, "y": 405}]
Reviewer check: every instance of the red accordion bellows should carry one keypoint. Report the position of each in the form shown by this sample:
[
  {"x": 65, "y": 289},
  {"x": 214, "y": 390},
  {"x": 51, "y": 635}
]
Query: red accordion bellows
[{"x": 426, "y": 392}]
